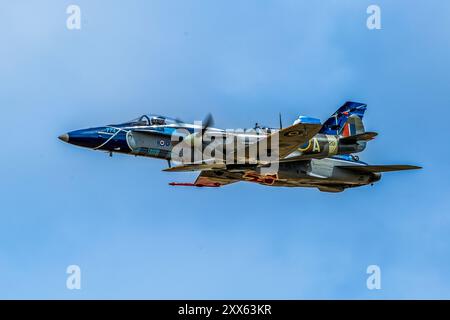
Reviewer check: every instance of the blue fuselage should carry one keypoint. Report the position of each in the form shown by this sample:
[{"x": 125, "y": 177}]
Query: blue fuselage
[{"x": 124, "y": 139}]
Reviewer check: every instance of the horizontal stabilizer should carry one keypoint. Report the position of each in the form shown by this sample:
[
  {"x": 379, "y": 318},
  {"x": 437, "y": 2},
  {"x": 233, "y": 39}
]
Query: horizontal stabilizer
[
  {"x": 366, "y": 136},
  {"x": 382, "y": 168}
]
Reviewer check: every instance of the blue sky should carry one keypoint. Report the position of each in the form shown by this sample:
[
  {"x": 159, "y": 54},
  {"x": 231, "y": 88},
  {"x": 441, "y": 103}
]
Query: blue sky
[{"x": 136, "y": 237}]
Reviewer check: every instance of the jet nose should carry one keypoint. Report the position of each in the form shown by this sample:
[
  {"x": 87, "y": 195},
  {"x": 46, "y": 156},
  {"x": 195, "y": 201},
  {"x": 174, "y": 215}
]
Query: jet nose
[
  {"x": 64, "y": 137},
  {"x": 89, "y": 138}
]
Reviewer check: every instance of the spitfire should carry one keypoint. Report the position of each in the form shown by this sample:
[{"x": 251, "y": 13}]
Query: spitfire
[{"x": 307, "y": 153}]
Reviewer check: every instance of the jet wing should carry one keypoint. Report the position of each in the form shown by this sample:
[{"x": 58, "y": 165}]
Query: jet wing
[
  {"x": 197, "y": 167},
  {"x": 207, "y": 179},
  {"x": 381, "y": 168}
]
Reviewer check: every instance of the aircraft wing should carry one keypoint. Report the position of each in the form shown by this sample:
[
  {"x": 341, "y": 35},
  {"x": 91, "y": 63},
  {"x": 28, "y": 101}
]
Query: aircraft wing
[
  {"x": 293, "y": 137},
  {"x": 196, "y": 167},
  {"x": 207, "y": 179},
  {"x": 381, "y": 168}
]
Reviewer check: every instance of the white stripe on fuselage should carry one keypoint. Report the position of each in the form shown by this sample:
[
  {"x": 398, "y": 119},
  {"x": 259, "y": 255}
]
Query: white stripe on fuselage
[{"x": 110, "y": 138}]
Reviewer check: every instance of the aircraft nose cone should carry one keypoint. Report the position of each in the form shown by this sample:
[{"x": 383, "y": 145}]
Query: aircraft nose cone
[
  {"x": 64, "y": 137},
  {"x": 88, "y": 138}
]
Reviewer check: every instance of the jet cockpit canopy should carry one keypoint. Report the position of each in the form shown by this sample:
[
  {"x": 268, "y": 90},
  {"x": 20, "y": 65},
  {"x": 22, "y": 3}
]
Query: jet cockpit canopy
[{"x": 152, "y": 120}]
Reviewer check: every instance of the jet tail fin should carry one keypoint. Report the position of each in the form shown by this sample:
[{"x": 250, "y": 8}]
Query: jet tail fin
[
  {"x": 339, "y": 123},
  {"x": 352, "y": 126}
]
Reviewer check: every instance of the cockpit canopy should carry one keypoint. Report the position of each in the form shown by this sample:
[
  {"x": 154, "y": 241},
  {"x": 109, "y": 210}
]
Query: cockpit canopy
[
  {"x": 157, "y": 121},
  {"x": 152, "y": 120}
]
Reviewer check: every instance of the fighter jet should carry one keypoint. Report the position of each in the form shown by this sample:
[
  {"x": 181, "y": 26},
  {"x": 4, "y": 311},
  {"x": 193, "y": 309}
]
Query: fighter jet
[{"x": 304, "y": 154}]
